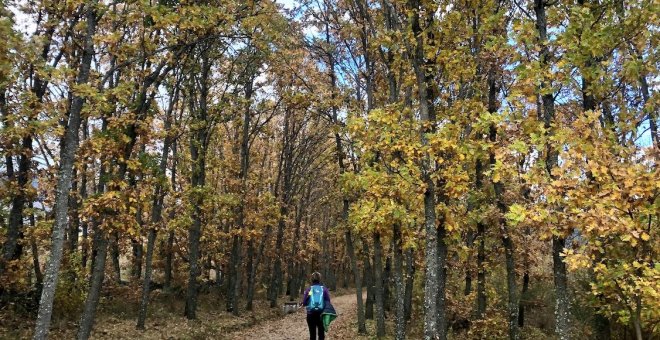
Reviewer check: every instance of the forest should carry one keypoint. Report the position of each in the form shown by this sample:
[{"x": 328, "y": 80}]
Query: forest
[{"x": 476, "y": 169}]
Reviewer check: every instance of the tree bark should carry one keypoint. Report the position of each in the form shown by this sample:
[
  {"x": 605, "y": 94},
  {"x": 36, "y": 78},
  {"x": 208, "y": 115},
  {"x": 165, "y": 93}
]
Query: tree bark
[
  {"x": 378, "y": 277},
  {"x": 236, "y": 252},
  {"x": 169, "y": 257},
  {"x": 74, "y": 220},
  {"x": 35, "y": 256},
  {"x": 83, "y": 196},
  {"x": 480, "y": 237},
  {"x": 138, "y": 250},
  {"x": 523, "y": 298},
  {"x": 562, "y": 308},
  {"x": 114, "y": 254},
  {"x": 369, "y": 281},
  {"x": 387, "y": 283},
  {"x": 156, "y": 213},
  {"x": 253, "y": 272},
  {"x": 512, "y": 287},
  {"x": 12, "y": 248},
  {"x": 410, "y": 280},
  {"x": 562, "y": 316},
  {"x": 67, "y": 155},
  {"x": 98, "y": 273},
  {"x": 433, "y": 288},
  {"x": 286, "y": 172},
  {"x": 350, "y": 248},
  {"x": 198, "y": 148},
  {"x": 169, "y": 247},
  {"x": 509, "y": 252},
  {"x": 276, "y": 279},
  {"x": 400, "y": 292},
  {"x": 481, "y": 271},
  {"x": 442, "y": 279}
]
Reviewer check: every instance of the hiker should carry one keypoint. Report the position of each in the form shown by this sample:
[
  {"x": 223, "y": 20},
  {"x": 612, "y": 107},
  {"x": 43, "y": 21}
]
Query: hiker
[{"x": 315, "y": 299}]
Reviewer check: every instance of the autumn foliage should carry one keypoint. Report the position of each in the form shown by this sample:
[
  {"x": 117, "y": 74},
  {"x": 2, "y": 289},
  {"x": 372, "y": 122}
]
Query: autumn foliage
[{"x": 486, "y": 169}]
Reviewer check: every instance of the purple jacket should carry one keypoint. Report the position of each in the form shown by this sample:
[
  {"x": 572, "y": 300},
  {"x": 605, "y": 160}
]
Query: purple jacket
[{"x": 305, "y": 299}]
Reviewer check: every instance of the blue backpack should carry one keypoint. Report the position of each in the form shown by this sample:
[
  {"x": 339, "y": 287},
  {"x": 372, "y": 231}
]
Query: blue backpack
[{"x": 315, "y": 303}]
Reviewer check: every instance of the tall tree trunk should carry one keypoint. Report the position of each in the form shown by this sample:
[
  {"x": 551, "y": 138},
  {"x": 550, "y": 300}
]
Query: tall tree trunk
[
  {"x": 83, "y": 196},
  {"x": 523, "y": 298},
  {"x": 399, "y": 301},
  {"x": 194, "y": 234},
  {"x": 169, "y": 246},
  {"x": 387, "y": 283},
  {"x": 509, "y": 251},
  {"x": 276, "y": 277},
  {"x": 35, "y": 256},
  {"x": 67, "y": 155},
  {"x": 481, "y": 270},
  {"x": 114, "y": 255},
  {"x": 144, "y": 301},
  {"x": 285, "y": 171},
  {"x": 293, "y": 262},
  {"x": 236, "y": 256},
  {"x": 561, "y": 289},
  {"x": 378, "y": 277},
  {"x": 100, "y": 246},
  {"x": 350, "y": 248},
  {"x": 637, "y": 318},
  {"x": 350, "y": 245},
  {"x": 601, "y": 323},
  {"x": 136, "y": 244},
  {"x": 156, "y": 213},
  {"x": 85, "y": 250},
  {"x": 234, "y": 270},
  {"x": 74, "y": 220},
  {"x": 443, "y": 326},
  {"x": 169, "y": 258},
  {"x": 480, "y": 236},
  {"x": 98, "y": 273},
  {"x": 253, "y": 272},
  {"x": 12, "y": 248},
  {"x": 198, "y": 147},
  {"x": 433, "y": 288},
  {"x": 369, "y": 281},
  {"x": 562, "y": 312},
  {"x": 468, "y": 271},
  {"x": 410, "y": 281},
  {"x": 512, "y": 287},
  {"x": 93, "y": 296}
]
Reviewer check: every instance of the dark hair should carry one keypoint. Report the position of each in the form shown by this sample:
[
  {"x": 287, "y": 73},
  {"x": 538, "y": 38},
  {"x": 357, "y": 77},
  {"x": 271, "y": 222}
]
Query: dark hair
[{"x": 316, "y": 277}]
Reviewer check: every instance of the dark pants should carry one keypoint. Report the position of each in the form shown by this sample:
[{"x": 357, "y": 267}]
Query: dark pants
[{"x": 314, "y": 322}]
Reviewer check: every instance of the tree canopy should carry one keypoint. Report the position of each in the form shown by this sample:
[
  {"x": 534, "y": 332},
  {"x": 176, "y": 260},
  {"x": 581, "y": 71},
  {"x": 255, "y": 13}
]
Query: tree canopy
[{"x": 479, "y": 167}]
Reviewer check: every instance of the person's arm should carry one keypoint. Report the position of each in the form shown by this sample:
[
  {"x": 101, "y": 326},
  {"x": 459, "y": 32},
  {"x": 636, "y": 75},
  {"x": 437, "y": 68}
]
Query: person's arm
[
  {"x": 326, "y": 294},
  {"x": 305, "y": 298}
]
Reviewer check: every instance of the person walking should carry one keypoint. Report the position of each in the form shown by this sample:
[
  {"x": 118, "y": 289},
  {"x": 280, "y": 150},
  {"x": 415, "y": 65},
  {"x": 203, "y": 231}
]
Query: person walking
[{"x": 315, "y": 299}]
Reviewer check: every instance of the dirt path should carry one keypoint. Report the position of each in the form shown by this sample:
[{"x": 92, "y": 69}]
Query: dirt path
[{"x": 294, "y": 326}]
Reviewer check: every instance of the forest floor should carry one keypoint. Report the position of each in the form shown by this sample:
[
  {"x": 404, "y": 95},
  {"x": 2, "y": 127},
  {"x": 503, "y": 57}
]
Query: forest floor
[
  {"x": 116, "y": 320},
  {"x": 294, "y": 326}
]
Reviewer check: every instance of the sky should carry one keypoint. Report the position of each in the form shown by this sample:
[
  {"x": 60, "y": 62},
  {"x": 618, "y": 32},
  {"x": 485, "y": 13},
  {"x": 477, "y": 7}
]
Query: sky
[{"x": 288, "y": 4}]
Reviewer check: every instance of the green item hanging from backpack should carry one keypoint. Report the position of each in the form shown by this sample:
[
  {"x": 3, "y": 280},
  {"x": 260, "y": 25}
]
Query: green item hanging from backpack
[
  {"x": 327, "y": 319},
  {"x": 329, "y": 314}
]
